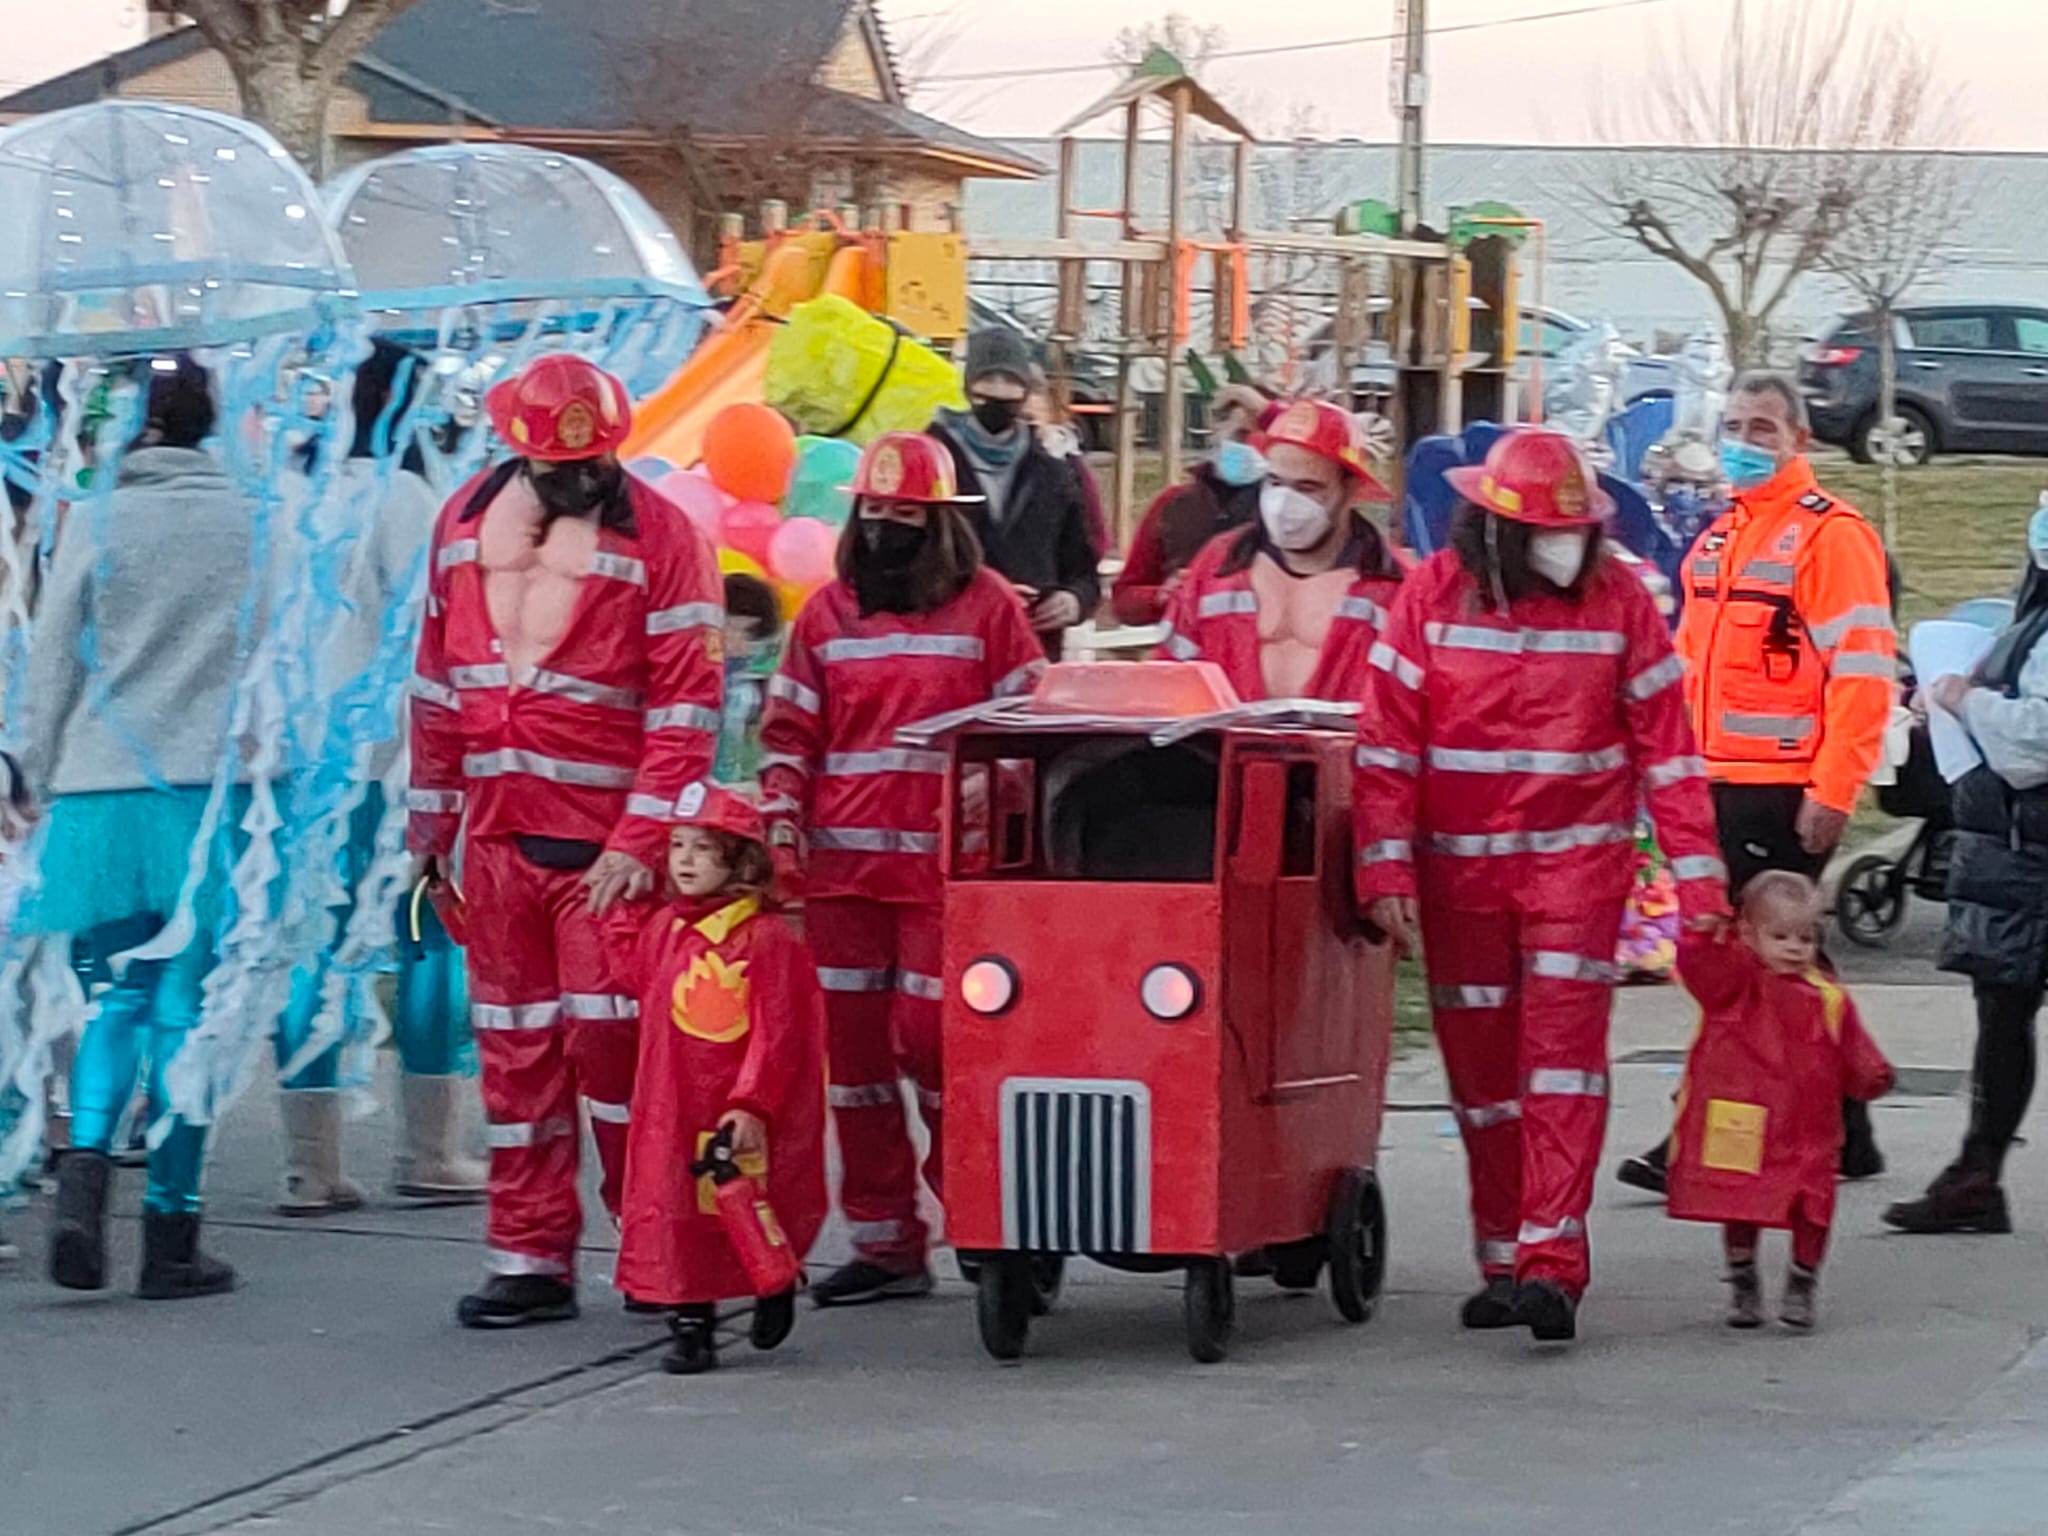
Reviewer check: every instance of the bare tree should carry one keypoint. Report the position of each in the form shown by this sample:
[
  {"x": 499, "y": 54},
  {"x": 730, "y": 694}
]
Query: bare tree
[
  {"x": 1761, "y": 150},
  {"x": 288, "y": 56},
  {"x": 1188, "y": 41}
]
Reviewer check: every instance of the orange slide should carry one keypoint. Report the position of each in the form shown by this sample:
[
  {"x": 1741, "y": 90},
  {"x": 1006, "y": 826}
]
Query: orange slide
[{"x": 731, "y": 364}]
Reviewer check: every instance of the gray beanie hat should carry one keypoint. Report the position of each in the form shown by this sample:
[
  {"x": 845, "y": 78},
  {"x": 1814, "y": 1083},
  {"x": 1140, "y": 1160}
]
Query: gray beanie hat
[{"x": 1000, "y": 350}]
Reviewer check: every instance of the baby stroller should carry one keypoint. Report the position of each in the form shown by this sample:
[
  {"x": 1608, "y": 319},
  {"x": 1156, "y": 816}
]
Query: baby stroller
[{"x": 1875, "y": 886}]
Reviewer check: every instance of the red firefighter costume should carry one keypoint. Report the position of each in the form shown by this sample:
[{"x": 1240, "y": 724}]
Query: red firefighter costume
[
  {"x": 1501, "y": 762},
  {"x": 730, "y": 1018},
  {"x": 593, "y": 747},
  {"x": 869, "y": 812},
  {"x": 1759, "y": 1136}
]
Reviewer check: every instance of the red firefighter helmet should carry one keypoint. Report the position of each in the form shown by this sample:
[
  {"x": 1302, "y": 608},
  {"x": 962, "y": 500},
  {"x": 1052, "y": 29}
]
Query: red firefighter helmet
[
  {"x": 719, "y": 809},
  {"x": 561, "y": 407},
  {"x": 1328, "y": 431},
  {"x": 1537, "y": 477},
  {"x": 909, "y": 466}
]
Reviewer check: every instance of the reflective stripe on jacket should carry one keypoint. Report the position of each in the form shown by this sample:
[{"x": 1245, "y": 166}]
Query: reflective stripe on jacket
[{"x": 1788, "y": 641}]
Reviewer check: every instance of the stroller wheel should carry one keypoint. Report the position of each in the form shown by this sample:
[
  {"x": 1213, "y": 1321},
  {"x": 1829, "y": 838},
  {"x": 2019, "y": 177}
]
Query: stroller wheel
[{"x": 1871, "y": 907}]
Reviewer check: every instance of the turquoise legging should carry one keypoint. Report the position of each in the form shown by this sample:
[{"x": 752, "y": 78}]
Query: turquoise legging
[
  {"x": 148, "y": 1010},
  {"x": 432, "y": 1024}
]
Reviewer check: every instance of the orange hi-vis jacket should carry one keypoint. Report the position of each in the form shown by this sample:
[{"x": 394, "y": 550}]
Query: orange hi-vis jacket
[{"x": 1787, "y": 637}]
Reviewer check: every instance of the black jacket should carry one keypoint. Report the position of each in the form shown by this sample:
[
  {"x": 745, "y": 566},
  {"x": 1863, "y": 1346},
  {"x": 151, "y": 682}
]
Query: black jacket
[{"x": 1042, "y": 541}]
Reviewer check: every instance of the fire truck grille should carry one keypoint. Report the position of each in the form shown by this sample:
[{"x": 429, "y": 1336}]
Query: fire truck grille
[{"x": 1077, "y": 1165}]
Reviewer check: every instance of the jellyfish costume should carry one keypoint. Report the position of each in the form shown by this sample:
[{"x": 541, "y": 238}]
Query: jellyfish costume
[{"x": 170, "y": 266}]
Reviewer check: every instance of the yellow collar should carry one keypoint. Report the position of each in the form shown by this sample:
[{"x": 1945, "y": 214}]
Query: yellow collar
[{"x": 718, "y": 926}]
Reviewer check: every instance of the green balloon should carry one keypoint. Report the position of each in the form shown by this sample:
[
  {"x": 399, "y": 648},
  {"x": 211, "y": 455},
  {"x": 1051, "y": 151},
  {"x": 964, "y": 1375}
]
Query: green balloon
[{"x": 821, "y": 487}]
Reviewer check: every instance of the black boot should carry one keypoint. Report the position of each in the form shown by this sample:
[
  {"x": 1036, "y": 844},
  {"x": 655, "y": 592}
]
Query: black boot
[
  {"x": 695, "y": 1349},
  {"x": 512, "y": 1301},
  {"x": 78, "y": 1244},
  {"x": 1649, "y": 1172},
  {"x": 1962, "y": 1198},
  {"x": 173, "y": 1268},
  {"x": 1547, "y": 1310},
  {"x": 774, "y": 1317},
  {"x": 1860, "y": 1157},
  {"x": 1493, "y": 1307}
]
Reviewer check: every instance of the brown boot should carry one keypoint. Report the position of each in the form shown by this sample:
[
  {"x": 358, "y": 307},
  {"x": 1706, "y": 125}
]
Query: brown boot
[{"x": 1961, "y": 1199}]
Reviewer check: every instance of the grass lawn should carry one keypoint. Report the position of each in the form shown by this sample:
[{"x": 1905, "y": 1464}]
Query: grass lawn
[{"x": 1962, "y": 524}]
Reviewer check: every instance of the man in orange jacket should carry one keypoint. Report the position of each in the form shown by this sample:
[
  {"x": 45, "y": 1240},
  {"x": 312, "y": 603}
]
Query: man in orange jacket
[{"x": 1791, "y": 667}]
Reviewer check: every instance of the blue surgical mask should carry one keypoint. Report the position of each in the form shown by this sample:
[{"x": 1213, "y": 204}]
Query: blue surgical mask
[
  {"x": 1746, "y": 465},
  {"x": 1239, "y": 463}
]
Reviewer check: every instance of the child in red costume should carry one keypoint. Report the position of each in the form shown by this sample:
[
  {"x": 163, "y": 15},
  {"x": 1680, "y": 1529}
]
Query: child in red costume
[
  {"x": 732, "y": 1039},
  {"x": 1759, "y": 1132}
]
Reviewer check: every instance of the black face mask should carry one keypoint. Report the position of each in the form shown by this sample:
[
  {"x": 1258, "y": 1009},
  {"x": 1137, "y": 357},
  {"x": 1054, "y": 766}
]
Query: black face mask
[
  {"x": 995, "y": 417},
  {"x": 882, "y": 564},
  {"x": 576, "y": 489}
]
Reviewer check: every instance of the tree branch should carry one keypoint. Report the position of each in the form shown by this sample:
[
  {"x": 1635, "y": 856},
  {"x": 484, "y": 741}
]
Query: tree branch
[
  {"x": 350, "y": 33},
  {"x": 227, "y": 24}
]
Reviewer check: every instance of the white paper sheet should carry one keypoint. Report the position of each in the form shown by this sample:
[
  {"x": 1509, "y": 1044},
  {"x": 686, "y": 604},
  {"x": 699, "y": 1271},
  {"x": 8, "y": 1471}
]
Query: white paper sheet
[{"x": 1940, "y": 647}]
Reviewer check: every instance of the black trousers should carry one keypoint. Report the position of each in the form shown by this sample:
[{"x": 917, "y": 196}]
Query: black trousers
[{"x": 2002, "y": 1076}]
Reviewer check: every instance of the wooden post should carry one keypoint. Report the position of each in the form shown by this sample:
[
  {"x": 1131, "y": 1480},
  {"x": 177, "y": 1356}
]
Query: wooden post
[
  {"x": 1173, "y": 413},
  {"x": 1126, "y": 511}
]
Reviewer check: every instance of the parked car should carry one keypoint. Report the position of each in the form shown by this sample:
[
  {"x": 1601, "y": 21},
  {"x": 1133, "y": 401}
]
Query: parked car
[{"x": 1972, "y": 378}]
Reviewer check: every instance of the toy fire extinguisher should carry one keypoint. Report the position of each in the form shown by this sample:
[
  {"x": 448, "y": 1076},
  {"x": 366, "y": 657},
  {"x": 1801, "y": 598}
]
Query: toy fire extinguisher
[{"x": 747, "y": 1219}]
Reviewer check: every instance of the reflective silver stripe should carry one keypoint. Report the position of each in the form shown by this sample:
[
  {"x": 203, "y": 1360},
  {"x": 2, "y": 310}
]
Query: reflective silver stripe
[
  {"x": 1391, "y": 661},
  {"x": 1571, "y": 1227},
  {"x": 666, "y": 621},
  {"x": 651, "y": 806},
  {"x": 879, "y": 647},
  {"x": 461, "y": 552},
  {"x": 836, "y": 978},
  {"x": 687, "y": 717},
  {"x": 1557, "y": 840},
  {"x": 515, "y": 1016},
  {"x": 1863, "y": 616},
  {"x": 1655, "y": 679},
  {"x": 790, "y": 691},
  {"x": 784, "y": 760},
  {"x": 1711, "y": 569},
  {"x": 874, "y": 1232},
  {"x": 874, "y": 840},
  {"x": 1480, "y": 1116},
  {"x": 599, "y": 1005},
  {"x": 613, "y": 1114},
  {"x": 1769, "y": 570},
  {"x": 1391, "y": 850},
  {"x": 1560, "y": 764},
  {"x": 930, "y": 988},
  {"x": 500, "y": 1137},
  {"x": 1387, "y": 757},
  {"x": 1181, "y": 646},
  {"x": 1216, "y": 605},
  {"x": 1453, "y": 998},
  {"x": 1021, "y": 681},
  {"x": 1767, "y": 727},
  {"x": 619, "y": 568},
  {"x": 1540, "y": 642},
  {"x": 863, "y": 1095},
  {"x": 427, "y": 691},
  {"x": 503, "y": 1261},
  {"x": 1363, "y": 610},
  {"x": 1699, "y": 866},
  {"x": 1563, "y": 965},
  {"x": 492, "y": 674},
  {"x": 861, "y": 765},
  {"x": 436, "y": 802},
  {"x": 1496, "y": 1251},
  {"x": 1862, "y": 664},
  {"x": 1675, "y": 770},
  {"x": 580, "y": 691},
  {"x": 508, "y": 760},
  {"x": 1559, "y": 1083}
]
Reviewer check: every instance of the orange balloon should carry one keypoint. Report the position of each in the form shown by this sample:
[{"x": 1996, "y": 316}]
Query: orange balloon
[{"x": 750, "y": 452}]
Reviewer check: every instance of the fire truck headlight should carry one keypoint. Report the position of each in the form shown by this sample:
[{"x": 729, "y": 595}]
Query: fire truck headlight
[
  {"x": 1170, "y": 992},
  {"x": 989, "y": 986}
]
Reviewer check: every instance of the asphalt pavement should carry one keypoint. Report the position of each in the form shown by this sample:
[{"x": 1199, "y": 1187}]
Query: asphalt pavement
[{"x": 333, "y": 1394}]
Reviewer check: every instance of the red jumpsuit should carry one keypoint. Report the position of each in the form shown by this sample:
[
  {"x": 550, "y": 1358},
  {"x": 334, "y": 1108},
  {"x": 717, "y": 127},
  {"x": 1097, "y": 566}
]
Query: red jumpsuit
[
  {"x": 870, "y": 811},
  {"x": 592, "y": 746},
  {"x": 1501, "y": 761},
  {"x": 730, "y": 1018},
  {"x": 1759, "y": 1135},
  {"x": 1240, "y": 619}
]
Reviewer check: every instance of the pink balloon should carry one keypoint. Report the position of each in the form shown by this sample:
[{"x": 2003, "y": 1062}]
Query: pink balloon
[
  {"x": 749, "y": 527},
  {"x": 803, "y": 551},
  {"x": 702, "y": 502}
]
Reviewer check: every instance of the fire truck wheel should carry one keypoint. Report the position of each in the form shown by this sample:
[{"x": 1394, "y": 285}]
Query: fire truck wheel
[
  {"x": 1048, "y": 1279},
  {"x": 1003, "y": 1301},
  {"x": 1358, "y": 1244},
  {"x": 1210, "y": 1304}
]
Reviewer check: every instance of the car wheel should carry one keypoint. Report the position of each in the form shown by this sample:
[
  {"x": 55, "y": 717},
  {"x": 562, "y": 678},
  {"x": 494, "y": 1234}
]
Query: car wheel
[{"x": 1911, "y": 444}]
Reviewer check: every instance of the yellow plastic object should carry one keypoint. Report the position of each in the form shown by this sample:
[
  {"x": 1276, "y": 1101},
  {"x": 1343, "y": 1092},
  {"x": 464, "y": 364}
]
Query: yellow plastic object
[
  {"x": 927, "y": 292},
  {"x": 836, "y": 371},
  {"x": 732, "y": 563}
]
